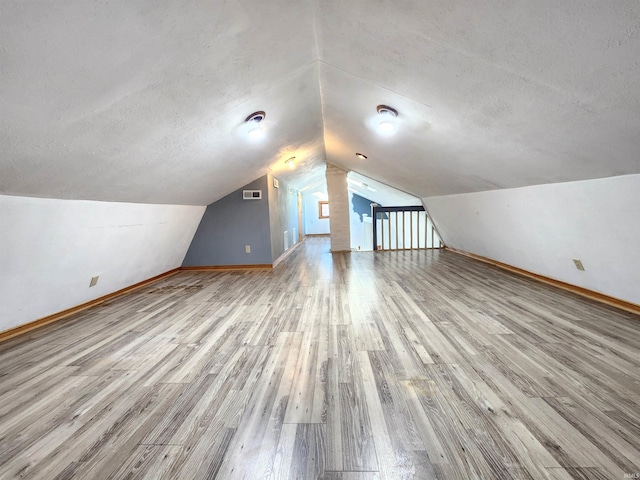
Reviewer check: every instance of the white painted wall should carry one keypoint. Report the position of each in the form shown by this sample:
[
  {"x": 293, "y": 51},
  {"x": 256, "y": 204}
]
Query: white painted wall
[
  {"x": 50, "y": 249},
  {"x": 542, "y": 228},
  {"x": 312, "y": 224},
  {"x": 358, "y": 230}
]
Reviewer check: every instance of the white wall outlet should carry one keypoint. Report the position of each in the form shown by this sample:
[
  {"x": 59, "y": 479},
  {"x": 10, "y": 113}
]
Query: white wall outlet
[
  {"x": 247, "y": 249},
  {"x": 94, "y": 281},
  {"x": 578, "y": 264}
]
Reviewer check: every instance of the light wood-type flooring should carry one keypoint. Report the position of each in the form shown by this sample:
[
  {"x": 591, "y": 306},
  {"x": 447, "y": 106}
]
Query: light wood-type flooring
[{"x": 361, "y": 366}]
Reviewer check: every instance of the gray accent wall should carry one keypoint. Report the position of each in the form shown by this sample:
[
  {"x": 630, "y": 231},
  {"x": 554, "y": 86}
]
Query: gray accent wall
[
  {"x": 283, "y": 217},
  {"x": 230, "y": 224}
]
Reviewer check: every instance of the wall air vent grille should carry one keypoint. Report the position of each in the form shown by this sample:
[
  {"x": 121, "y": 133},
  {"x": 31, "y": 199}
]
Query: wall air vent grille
[{"x": 252, "y": 194}]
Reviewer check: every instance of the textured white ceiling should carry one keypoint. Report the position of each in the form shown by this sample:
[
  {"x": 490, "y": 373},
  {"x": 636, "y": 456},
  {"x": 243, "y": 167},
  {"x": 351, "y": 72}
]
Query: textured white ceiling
[
  {"x": 144, "y": 101},
  {"x": 491, "y": 94}
]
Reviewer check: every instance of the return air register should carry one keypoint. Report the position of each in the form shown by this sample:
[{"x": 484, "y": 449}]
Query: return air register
[{"x": 252, "y": 194}]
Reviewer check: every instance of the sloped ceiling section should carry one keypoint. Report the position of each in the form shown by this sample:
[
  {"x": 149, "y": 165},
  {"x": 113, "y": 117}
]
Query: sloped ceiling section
[
  {"x": 490, "y": 94},
  {"x": 144, "y": 101},
  {"x": 379, "y": 192}
]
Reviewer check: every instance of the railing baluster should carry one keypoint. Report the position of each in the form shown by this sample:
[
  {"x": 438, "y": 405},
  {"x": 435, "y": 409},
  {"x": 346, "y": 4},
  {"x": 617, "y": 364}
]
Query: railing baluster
[
  {"x": 384, "y": 237},
  {"x": 396, "y": 215},
  {"x": 411, "y": 229},
  {"x": 433, "y": 244},
  {"x": 426, "y": 231},
  {"x": 404, "y": 223}
]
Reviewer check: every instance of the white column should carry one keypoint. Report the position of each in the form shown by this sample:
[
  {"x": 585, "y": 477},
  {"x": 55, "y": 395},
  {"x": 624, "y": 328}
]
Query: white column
[{"x": 338, "y": 209}]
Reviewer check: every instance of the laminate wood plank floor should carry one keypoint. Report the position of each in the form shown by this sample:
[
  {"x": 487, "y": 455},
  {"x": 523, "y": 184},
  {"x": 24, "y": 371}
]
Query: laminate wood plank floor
[{"x": 350, "y": 366}]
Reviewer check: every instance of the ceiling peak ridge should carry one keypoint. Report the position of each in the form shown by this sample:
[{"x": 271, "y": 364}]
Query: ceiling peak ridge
[{"x": 362, "y": 79}]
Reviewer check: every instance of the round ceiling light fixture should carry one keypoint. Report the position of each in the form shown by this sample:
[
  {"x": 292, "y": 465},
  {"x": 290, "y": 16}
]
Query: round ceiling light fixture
[
  {"x": 387, "y": 115},
  {"x": 290, "y": 162},
  {"x": 256, "y": 117},
  {"x": 254, "y": 129},
  {"x": 361, "y": 156}
]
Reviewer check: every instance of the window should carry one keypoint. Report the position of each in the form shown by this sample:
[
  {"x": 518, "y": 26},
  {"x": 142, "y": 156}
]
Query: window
[{"x": 323, "y": 209}]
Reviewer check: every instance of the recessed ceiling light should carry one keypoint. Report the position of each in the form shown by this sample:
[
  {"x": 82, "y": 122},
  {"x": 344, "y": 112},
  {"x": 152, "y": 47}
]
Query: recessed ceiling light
[
  {"x": 361, "y": 156},
  {"x": 256, "y": 133},
  {"x": 387, "y": 116},
  {"x": 254, "y": 129},
  {"x": 387, "y": 127},
  {"x": 289, "y": 162},
  {"x": 256, "y": 117}
]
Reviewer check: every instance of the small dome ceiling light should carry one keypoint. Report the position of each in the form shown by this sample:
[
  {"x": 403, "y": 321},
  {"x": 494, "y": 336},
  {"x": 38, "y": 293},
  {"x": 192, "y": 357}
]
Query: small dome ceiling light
[
  {"x": 290, "y": 162},
  {"x": 387, "y": 116},
  {"x": 361, "y": 156},
  {"x": 254, "y": 129}
]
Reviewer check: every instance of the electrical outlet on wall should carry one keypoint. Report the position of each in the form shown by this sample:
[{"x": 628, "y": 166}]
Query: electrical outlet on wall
[
  {"x": 247, "y": 249},
  {"x": 94, "y": 281},
  {"x": 578, "y": 264}
]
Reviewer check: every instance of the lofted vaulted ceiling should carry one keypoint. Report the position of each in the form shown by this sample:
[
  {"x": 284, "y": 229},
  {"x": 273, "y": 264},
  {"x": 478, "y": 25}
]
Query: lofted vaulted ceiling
[{"x": 145, "y": 101}]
